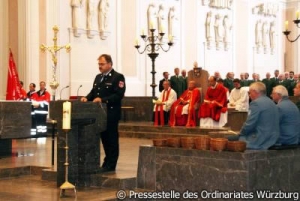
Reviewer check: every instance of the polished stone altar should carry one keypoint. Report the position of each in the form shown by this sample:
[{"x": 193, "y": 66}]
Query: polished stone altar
[
  {"x": 15, "y": 122},
  {"x": 15, "y": 119},
  {"x": 165, "y": 169},
  {"x": 88, "y": 120}
]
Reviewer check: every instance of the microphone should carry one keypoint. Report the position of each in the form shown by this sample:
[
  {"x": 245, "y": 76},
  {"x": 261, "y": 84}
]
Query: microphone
[
  {"x": 62, "y": 90},
  {"x": 78, "y": 91}
]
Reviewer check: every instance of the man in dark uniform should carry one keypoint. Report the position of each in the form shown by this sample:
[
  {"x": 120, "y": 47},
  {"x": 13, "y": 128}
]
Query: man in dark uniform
[
  {"x": 30, "y": 94},
  {"x": 109, "y": 87}
]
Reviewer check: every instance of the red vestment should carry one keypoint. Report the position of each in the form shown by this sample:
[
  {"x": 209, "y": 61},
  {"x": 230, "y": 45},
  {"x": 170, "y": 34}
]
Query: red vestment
[
  {"x": 161, "y": 111},
  {"x": 191, "y": 96},
  {"x": 215, "y": 102}
]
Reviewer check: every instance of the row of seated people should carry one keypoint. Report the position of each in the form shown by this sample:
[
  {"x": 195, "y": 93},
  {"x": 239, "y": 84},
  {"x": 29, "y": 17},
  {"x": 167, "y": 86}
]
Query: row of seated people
[
  {"x": 267, "y": 124},
  {"x": 183, "y": 111}
]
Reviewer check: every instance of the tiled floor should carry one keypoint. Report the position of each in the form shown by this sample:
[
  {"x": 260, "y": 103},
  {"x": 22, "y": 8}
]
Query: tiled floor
[{"x": 37, "y": 152}]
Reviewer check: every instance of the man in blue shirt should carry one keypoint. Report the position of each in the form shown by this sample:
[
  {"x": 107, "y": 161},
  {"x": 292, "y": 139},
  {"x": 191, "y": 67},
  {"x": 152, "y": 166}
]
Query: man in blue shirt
[
  {"x": 261, "y": 129},
  {"x": 289, "y": 117}
]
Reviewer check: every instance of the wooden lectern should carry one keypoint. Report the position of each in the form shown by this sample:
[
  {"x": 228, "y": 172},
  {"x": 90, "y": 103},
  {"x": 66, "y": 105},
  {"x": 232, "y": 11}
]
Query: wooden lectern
[{"x": 88, "y": 120}]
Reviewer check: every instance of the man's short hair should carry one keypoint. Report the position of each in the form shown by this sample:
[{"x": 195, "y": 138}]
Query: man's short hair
[
  {"x": 237, "y": 80},
  {"x": 259, "y": 87},
  {"x": 107, "y": 58},
  {"x": 32, "y": 84},
  {"x": 164, "y": 73},
  {"x": 281, "y": 90},
  {"x": 220, "y": 80}
]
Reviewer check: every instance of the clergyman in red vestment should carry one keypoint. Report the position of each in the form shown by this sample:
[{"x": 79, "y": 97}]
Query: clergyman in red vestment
[
  {"x": 163, "y": 105},
  {"x": 183, "y": 110},
  {"x": 215, "y": 101}
]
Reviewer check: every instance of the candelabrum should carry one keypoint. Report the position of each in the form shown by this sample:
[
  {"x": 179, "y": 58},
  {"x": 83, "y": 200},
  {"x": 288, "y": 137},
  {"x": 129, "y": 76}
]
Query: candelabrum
[
  {"x": 287, "y": 32},
  {"x": 53, "y": 50},
  {"x": 154, "y": 44},
  {"x": 66, "y": 185}
]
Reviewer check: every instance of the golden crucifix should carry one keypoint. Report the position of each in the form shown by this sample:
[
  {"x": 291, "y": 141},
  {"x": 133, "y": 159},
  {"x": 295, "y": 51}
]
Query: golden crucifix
[{"x": 53, "y": 50}]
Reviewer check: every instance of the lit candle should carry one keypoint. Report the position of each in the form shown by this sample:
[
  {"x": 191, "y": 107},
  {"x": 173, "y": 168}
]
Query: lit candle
[
  {"x": 297, "y": 15},
  {"x": 151, "y": 24},
  {"x": 66, "y": 115},
  {"x": 136, "y": 42},
  {"x": 170, "y": 38},
  {"x": 143, "y": 32},
  {"x": 286, "y": 25},
  {"x": 161, "y": 29}
]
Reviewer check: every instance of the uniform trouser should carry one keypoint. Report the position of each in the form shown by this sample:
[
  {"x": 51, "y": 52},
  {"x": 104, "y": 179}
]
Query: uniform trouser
[
  {"x": 41, "y": 123},
  {"x": 110, "y": 142}
]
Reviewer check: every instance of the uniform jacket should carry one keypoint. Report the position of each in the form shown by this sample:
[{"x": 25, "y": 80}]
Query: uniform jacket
[
  {"x": 111, "y": 90},
  {"x": 261, "y": 129}
]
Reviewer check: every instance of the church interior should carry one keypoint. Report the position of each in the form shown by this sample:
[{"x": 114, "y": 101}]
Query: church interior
[{"x": 59, "y": 42}]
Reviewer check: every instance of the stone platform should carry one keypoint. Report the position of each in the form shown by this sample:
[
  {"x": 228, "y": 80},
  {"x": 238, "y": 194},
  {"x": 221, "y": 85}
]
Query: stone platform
[{"x": 166, "y": 169}]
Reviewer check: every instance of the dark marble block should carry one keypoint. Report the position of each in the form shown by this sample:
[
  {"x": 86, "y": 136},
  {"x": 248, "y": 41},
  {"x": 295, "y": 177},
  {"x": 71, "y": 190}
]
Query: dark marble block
[
  {"x": 143, "y": 108},
  {"x": 15, "y": 119},
  {"x": 165, "y": 169},
  {"x": 88, "y": 120}
]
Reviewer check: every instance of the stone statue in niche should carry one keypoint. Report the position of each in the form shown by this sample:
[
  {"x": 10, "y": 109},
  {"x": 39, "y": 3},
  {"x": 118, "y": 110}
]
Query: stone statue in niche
[
  {"x": 91, "y": 7},
  {"x": 265, "y": 35},
  {"x": 103, "y": 15},
  {"x": 76, "y": 6},
  {"x": 208, "y": 29},
  {"x": 221, "y": 3},
  {"x": 272, "y": 33},
  {"x": 258, "y": 33},
  {"x": 151, "y": 15},
  {"x": 160, "y": 18},
  {"x": 218, "y": 30},
  {"x": 171, "y": 18},
  {"x": 227, "y": 31}
]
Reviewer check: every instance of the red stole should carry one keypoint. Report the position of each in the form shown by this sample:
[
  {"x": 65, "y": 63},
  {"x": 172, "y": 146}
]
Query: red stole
[{"x": 161, "y": 112}]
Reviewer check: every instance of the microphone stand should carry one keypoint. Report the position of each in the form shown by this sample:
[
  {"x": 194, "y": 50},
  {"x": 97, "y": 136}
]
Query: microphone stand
[
  {"x": 78, "y": 91},
  {"x": 62, "y": 90}
]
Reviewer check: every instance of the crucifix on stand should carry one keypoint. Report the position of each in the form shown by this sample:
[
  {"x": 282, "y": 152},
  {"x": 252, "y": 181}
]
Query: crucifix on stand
[{"x": 53, "y": 50}]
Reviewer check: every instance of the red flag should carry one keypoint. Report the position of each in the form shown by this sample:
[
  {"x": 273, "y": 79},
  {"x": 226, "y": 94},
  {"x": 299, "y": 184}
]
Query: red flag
[{"x": 13, "y": 90}]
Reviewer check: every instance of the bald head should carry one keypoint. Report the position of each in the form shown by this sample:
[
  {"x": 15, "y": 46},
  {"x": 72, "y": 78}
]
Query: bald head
[{"x": 192, "y": 85}]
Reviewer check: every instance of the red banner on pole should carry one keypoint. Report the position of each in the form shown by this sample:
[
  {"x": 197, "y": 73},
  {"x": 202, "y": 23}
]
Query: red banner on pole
[{"x": 13, "y": 90}]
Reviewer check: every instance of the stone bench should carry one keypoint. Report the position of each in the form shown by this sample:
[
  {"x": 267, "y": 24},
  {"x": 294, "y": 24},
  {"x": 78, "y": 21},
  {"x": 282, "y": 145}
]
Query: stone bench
[{"x": 164, "y": 168}]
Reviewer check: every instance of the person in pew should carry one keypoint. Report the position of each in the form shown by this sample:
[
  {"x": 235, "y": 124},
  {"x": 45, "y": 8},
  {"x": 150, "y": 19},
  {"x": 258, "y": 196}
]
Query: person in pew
[
  {"x": 166, "y": 78},
  {"x": 109, "y": 87},
  {"x": 261, "y": 129},
  {"x": 40, "y": 103},
  {"x": 289, "y": 117},
  {"x": 213, "y": 111},
  {"x": 183, "y": 111},
  {"x": 239, "y": 98},
  {"x": 297, "y": 94},
  {"x": 163, "y": 105}
]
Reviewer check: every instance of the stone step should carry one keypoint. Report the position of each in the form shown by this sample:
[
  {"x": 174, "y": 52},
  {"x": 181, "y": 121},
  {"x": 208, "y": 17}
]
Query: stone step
[
  {"x": 117, "y": 180},
  {"x": 114, "y": 181},
  {"x": 147, "y": 130}
]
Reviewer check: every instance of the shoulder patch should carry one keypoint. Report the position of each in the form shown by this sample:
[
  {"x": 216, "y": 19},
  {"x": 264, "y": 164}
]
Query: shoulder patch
[{"x": 121, "y": 84}]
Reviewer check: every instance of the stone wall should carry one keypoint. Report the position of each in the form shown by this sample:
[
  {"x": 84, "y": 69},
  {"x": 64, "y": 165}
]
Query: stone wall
[{"x": 165, "y": 169}]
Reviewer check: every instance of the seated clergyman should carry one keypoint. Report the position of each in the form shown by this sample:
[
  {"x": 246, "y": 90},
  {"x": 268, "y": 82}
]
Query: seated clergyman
[
  {"x": 163, "y": 105},
  {"x": 214, "y": 105},
  {"x": 238, "y": 98},
  {"x": 183, "y": 110},
  {"x": 289, "y": 117}
]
